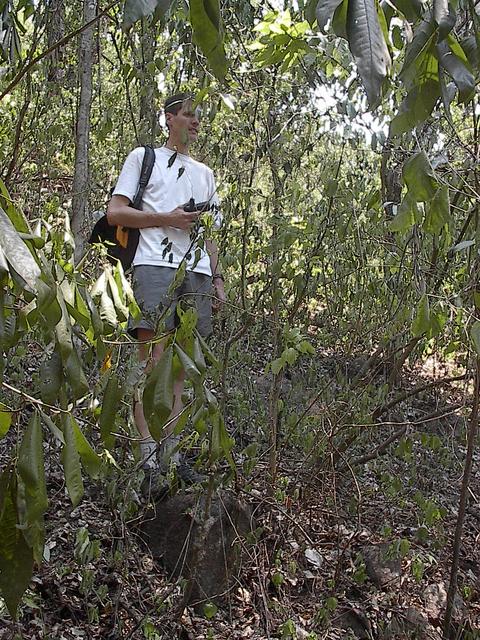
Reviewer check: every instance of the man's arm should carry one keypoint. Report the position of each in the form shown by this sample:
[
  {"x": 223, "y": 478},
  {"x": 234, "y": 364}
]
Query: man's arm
[
  {"x": 122, "y": 214},
  {"x": 217, "y": 276}
]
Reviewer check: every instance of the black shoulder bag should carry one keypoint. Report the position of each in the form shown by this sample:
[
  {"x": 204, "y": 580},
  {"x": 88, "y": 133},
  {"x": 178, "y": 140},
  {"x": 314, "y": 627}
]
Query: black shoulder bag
[{"x": 122, "y": 242}]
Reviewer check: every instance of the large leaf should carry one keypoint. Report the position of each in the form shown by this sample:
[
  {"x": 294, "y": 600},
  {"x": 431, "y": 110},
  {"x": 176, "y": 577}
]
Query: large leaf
[
  {"x": 475, "y": 335},
  {"x": 325, "y": 10},
  {"x": 91, "y": 461},
  {"x": 75, "y": 375},
  {"x": 30, "y": 456},
  {"x": 419, "y": 177},
  {"x": 406, "y": 216},
  {"x": 71, "y": 462},
  {"x": 158, "y": 394},
  {"x": 368, "y": 46},
  {"x": 421, "y": 45},
  {"x": 454, "y": 61},
  {"x": 416, "y": 107},
  {"x": 5, "y": 419},
  {"x": 110, "y": 406},
  {"x": 19, "y": 258},
  {"x": 136, "y": 9},
  {"x": 16, "y": 557},
  {"x": 421, "y": 321},
  {"x": 189, "y": 366},
  {"x": 444, "y": 16},
  {"x": 208, "y": 33},
  {"x": 438, "y": 213},
  {"x": 51, "y": 378}
]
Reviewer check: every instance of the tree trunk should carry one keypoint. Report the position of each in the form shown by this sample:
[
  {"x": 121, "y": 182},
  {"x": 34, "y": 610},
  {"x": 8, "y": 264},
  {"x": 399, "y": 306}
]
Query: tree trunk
[{"x": 81, "y": 175}]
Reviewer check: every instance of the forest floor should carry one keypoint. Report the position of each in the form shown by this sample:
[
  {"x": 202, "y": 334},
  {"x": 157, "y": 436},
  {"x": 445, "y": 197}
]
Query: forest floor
[{"x": 360, "y": 552}]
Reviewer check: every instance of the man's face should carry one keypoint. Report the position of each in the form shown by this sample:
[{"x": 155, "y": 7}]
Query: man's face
[{"x": 185, "y": 124}]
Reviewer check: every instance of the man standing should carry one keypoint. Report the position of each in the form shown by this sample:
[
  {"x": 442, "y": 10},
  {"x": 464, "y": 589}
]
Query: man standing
[{"x": 166, "y": 241}]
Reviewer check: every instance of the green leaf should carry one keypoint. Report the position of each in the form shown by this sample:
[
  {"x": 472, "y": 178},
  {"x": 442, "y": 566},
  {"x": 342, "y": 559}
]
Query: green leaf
[
  {"x": 16, "y": 557},
  {"x": 31, "y": 453},
  {"x": 210, "y": 609},
  {"x": 19, "y": 221},
  {"x": 71, "y": 462},
  {"x": 475, "y": 336},
  {"x": 91, "y": 461},
  {"x": 421, "y": 322},
  {"x": 158, "y": 394},
  {"x": 438, "y": 213},
  {"x": 416, "y": 107},
  {"x": 444, "y": 16},
  {"x": 111, "y": 404},
  {"x": 406, "y": 216},
  {"x": 56, "y": 432},
  {"x": 188, "y": 365},
  {"x": 324, "y": 12},
  {"x": 5, "y": 419},
  {"x": 19, "y": 258},
  {"x": 208, "y": 33},
  {"x": 368, "y": 46},
  {"x": 419, "y": 177},
  {"x": 75, "y": 376},
  {"x": 136, "y": 9},
  {"x": 416, "y": 52},
  {"x": 51, "y": 378},
  {"x": 198, "y": 356},
  {"x": 107, "y": 313},
  {"x": 454, "y": 61}
]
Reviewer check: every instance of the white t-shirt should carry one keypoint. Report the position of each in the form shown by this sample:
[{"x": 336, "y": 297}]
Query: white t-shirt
[{"x": 170, "y": 187}]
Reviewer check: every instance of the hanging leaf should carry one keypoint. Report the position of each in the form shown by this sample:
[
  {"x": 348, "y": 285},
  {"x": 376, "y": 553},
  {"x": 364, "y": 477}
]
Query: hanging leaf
[
  {"x": 419, "y": 177},
  {"x": 421, "y": 322},
  {"x": 444, "y": 16},
  {"x": 110, "y": 406},
  {"x": 71, "y": 462},
  {"x": 16, "y": 557},
  {"x": 75, "y": 376},
  {"x": 368, "y": 46},
  {"x": 91, "y": 461},
  {"x": 324, "y": 12},
  {"x": 51, "y": 378},
  {"x": 208, "y": 33},
  {"x": 158, "y": 394},
  {"x": 438, "y": 213},
  {"x": 5, "y": 419},
  {"x": 475, "y": 336},
  {"x": 188, "y": 365},
  {"x": 454, "y": 61},
  {"x": 415, "y": 108},
  {"x": 136, "y": 9},
  {"x": 31, "y": 453},
  {"x": 19, "y": 258},
  {"x": 406, "y": 216}
]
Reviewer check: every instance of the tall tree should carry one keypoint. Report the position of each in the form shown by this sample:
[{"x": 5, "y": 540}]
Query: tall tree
[{"x": 81, "y": 175}]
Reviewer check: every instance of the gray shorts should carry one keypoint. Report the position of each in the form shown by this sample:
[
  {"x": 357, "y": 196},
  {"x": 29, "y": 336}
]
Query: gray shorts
[{"x": 150, "y": 287}]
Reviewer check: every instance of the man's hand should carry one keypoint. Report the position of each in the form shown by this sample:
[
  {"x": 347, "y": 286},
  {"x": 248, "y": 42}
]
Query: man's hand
[
  {"x": 219, "y": 298},
  {"x": 181, "y": 219}
]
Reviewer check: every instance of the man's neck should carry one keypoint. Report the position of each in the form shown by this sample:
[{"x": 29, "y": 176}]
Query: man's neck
[{"x": 176, "y": 145}]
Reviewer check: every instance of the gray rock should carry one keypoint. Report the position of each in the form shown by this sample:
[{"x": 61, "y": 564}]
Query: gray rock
[
  {"x": 382, "y": 569},
  {"x": 353, "y": 620},
  {"x": 435, "y": 598},
  {"x": 409, "y": 624},
  {"x": 205, "y": 551}
]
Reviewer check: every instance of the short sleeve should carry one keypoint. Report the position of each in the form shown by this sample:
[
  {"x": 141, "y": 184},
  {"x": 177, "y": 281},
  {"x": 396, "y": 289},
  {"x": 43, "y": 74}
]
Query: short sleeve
[{"x": 127, "y": 182}]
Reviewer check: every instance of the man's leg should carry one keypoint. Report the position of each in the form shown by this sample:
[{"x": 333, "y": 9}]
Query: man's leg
[{"x": 148, "y": 445}]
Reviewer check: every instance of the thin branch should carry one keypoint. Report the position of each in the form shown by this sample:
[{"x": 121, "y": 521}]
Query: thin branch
[{"x": 54, "y": 46}]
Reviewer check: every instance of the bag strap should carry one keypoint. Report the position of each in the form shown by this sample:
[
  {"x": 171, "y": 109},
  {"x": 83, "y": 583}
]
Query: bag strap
[{"x": 145, "y": 173}]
